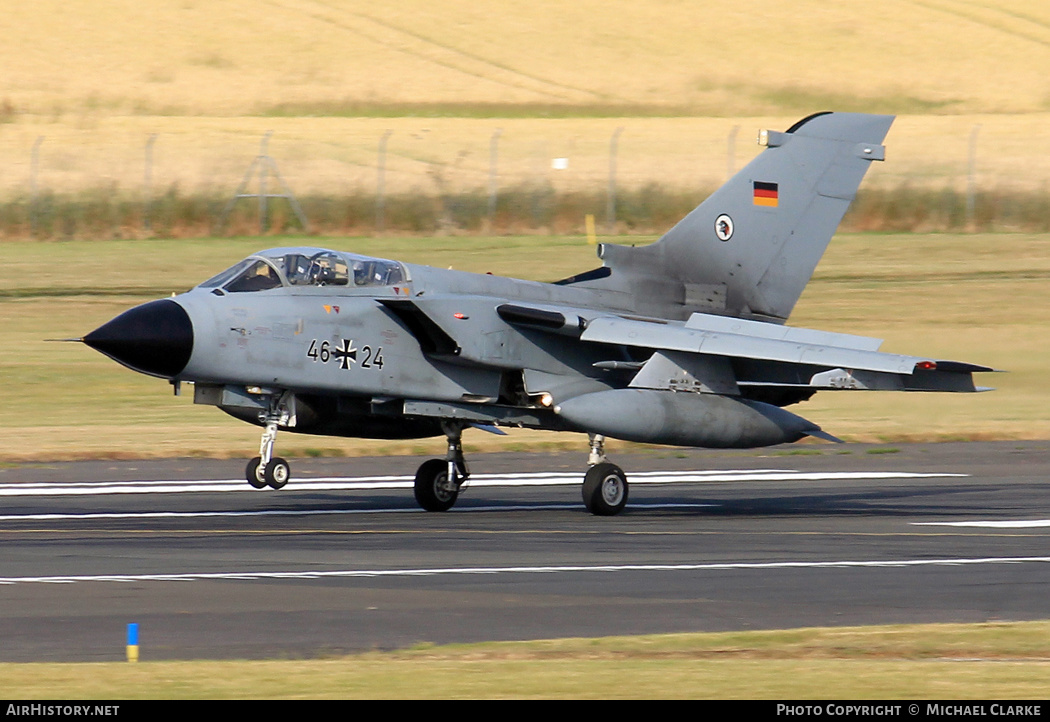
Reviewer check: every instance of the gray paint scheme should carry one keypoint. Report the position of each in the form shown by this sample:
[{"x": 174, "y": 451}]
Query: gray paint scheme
[{"x": 679, "y": 342}]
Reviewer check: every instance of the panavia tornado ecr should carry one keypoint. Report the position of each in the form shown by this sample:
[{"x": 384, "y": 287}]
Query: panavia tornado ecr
[{"x": 680, "y": 342}]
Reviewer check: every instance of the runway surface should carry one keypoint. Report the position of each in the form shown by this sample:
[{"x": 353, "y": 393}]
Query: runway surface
[{"x": 341, "y": 560}]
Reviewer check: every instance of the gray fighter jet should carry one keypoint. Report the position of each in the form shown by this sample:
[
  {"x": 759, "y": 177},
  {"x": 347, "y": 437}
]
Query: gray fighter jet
[{"x": 680, "y": 342}]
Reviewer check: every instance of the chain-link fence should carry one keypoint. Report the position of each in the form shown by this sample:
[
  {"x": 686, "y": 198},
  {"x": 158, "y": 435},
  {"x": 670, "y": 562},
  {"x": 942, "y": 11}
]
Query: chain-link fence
[{"x": 426, "y": 175}]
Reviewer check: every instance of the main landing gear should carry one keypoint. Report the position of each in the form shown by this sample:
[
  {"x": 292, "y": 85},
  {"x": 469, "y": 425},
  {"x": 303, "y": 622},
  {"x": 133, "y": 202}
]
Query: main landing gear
[
  {"x": 266, "y": 469},
  {"x": 604, "y": 484},
  {"x": 438, "y": 481}
]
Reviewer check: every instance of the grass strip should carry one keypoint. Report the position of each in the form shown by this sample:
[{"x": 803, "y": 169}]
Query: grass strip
[{"x": 962, "y": 661}]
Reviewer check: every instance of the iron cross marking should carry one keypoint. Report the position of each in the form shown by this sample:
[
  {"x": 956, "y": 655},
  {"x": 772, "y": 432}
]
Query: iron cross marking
[{"x": 346, "y": 353}]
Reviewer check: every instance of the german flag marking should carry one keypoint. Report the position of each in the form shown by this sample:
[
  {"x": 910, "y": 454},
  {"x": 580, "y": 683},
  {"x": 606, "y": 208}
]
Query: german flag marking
[{"x": 766, "y": 194}]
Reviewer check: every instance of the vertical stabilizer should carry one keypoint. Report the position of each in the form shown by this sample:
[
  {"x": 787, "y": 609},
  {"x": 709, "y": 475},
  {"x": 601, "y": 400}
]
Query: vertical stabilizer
[{"x": 751, "y": 247}]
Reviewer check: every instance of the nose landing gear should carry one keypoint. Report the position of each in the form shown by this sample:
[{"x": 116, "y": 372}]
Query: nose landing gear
[
  {"x": 266, "y": 469},
  {"x": 438, "y": 481}
]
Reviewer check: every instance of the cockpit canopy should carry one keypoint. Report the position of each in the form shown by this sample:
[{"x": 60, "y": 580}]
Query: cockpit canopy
[{"x": 279, "y": 267}]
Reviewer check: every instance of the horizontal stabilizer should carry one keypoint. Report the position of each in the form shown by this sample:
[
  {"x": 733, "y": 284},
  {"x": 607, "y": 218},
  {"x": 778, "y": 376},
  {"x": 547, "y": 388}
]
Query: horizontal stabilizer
[{"x": 821, "y": 434}]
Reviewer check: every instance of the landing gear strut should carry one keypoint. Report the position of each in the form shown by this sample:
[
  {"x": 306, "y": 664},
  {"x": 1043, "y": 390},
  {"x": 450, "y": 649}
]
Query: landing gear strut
[
  {"x": 266, "y": 469},
  {"x": 438, "y": 481},
  {"x": 605, "y": 484}
]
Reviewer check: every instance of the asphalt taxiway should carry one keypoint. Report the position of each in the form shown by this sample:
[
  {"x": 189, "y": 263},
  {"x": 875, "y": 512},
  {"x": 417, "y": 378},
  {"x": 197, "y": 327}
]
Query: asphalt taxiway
[{"x": 341, "y": 560}]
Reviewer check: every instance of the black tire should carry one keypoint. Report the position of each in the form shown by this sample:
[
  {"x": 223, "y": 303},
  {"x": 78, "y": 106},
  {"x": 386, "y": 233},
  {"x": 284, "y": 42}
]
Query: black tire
[
  {"x": 429, "y": 487},
  {"x": 277, "y": 473},
  {"x": 254, "y": 474},
  {"x": 605, "y": 489}
]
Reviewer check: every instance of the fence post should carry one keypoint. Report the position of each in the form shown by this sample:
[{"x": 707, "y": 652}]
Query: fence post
[
  {"x": 34, "y": 168},
  {"x": 147, "y": 182},
  {"x": 971, "y": 179},
  {"x": 493, "y": 176},
  {"x": 266, "y": 165},
  {"x": 381, "y": 183},
  {"x": 264, "y": 170},
  {"x": 731, "y": 153},
  {"x": 610, "y": 209}
]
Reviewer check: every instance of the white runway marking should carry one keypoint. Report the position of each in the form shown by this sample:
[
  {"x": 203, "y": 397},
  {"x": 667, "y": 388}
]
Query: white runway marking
[
  {"x": 372, "y": 483},
  {"x": 371, "y": 573},
  {"x": 990, "y": 524},
  {"x": 461, "y": 509}
]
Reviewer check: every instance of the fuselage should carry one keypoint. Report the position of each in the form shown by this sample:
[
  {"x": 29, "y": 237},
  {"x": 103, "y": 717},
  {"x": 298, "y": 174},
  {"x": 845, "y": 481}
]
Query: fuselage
[
  {"x": 351, "y": 338},
  {"x": 345, "y": 341},
  {"x": 679, "y": 342}
]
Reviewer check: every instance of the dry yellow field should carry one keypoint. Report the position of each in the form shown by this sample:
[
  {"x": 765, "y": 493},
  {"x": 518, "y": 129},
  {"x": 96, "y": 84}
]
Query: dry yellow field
[
  {"x": 244, "y": 57},
  {"x": 95, "y": 79}
]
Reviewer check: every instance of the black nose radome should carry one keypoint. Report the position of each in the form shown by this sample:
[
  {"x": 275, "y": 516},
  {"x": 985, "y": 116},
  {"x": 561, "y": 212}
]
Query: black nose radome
[{"x": 155, "y": 338}]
